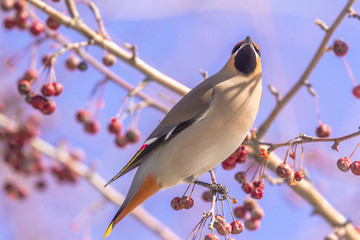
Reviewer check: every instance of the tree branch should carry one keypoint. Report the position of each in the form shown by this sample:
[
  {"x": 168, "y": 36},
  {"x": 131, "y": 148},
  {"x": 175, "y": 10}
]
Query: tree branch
[
  {"x": 93, "y": 178},
  {"x": 113, "y": 48},
  {"x": 308, "y": 192},
  {"x": 319, "y": 53}
]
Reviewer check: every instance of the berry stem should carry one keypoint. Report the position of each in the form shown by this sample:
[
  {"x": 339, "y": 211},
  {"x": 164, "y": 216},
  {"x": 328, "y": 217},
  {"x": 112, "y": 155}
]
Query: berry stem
[
  {"x": 348, "y": 69},
  {"x": 317, "y": 109},
  {"x": 302, "y": 156},
  {"x": 231, "y": 211},
  {"x": 354, "y": 151}
]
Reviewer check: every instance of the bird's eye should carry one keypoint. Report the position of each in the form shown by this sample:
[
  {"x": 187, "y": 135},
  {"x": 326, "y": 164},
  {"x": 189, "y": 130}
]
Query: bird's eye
[
  {"x": 256, "y": 48},
  {"x": 236, "y": 47}
]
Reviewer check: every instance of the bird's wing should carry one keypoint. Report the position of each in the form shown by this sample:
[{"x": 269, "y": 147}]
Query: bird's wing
[{"x": 189, "y": 110}]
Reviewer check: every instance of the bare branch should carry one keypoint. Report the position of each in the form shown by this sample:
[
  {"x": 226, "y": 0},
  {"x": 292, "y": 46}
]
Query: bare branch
[
  {"x": 303, "y": 138},
  {"x": 319, "y": 53},
  {"x": 322, "y": 25},
  {"x": 70, "y": 4},
  {"x": 307, "y": 191},
  {"x": 113, "y": 48},
  {"x": 93, "y": 178},
  {"x": 275, "y": 92}
]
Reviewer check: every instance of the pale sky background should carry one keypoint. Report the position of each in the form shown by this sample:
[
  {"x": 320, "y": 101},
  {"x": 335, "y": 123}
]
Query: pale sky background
[{"x": 179, "y": 38}]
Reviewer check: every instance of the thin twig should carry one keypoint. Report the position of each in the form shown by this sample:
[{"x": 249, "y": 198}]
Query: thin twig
[
  {"x": 319, "y": 53},
  {"x": 303, "y": 138},
  {"x": 93, "y": 178},
  {"x": 70, "y": 4}
]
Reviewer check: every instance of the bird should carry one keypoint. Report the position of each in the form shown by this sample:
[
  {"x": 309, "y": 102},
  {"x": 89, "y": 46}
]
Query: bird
[{"x": 205, "y": 127}]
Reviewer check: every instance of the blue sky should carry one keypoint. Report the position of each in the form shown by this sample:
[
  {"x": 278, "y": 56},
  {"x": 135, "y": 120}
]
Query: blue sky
[{"x": 179, "y": 38}]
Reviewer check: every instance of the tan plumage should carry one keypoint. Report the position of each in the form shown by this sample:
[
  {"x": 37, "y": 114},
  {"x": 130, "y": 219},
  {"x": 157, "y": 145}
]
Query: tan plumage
[{"x": 200, "y": 131}]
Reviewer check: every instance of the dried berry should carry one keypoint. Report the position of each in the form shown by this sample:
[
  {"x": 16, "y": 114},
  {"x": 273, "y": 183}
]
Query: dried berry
[
  {"x": 186, "y": 202},
  {"x": 252, "y": 224},
  {"x": 228, "y": 165},
  {"x": 323, "y": 131},
  {"x": 240, "y": 212},
  {"x": 24, "y": 87},
  {"x": 82, "y": 66},
  {"x": 355, "y": 168},
  {"x": 237, "y": 227},
  {"x": 241, "y": 177},
  {"x": 83, "y": 116},
  {"x": 48, "y": 90},
  {"x": 37, "y": 28},
  {"x": 340, "y": 48},
  {"x": 356, "y": 91},
  {"x": 109, "y": 59},
  {"x": 92, "y": 126},
  {"x": 52, "y": 23},
  {"x": 247, "y": 187},
  {"x": 175, "y": 204},
  {"x": 284, "y": 170},
  {"x": 259, "y": 184},
  {"x": 211, "y": 236},
  {"x": 344, "y": 164},
  {"x": 121, "y": 141},
  {"x": 299, "y": 175},
  {"x": 49, "y": 107},
  {"x": 132, "y": 136},
  {"x": 58, "y": 88},
  {"x": 114, "y": 126},
  {"x": 224, "y": 230},
  {"x": 257, "y": 193}
]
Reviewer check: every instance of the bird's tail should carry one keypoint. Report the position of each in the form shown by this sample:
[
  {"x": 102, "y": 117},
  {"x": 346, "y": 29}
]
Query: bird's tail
[{"x": 137, "y": 195}]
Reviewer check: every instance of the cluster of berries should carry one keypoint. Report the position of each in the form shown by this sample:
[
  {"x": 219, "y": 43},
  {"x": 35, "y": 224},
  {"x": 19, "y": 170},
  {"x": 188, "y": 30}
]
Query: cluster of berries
[
  {"x": 15, "y": 191},
  {"x": 284, "y": 170},
  {"x": 254, "y": 188},
  {"x": 251, "y": 212},
  {"x": 39, "y": 102},
  {"x": 122, "y": 140},
  {"x": 239, "y": 156},
  {"x": 344, "y": 164},
  {"x": 184, "y": 202}
]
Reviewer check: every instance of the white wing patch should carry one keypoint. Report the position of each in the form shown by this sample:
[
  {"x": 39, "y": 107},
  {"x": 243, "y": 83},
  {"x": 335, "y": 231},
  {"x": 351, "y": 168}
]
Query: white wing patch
[
  {"x": 150, "y": 141},
  {"x": 169, "y": 133}
]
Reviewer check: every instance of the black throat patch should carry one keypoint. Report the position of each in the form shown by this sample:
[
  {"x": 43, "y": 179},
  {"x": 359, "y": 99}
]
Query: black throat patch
[{"x": 245, "y": 60}]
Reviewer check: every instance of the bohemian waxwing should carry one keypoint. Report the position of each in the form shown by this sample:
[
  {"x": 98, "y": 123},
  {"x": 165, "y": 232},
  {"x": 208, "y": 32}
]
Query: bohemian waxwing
[{"x": 200, "y": 131}]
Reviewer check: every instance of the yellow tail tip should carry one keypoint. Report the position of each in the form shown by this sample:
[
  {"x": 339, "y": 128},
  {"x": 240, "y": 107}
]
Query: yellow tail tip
[{"x": 108, "y": 230}]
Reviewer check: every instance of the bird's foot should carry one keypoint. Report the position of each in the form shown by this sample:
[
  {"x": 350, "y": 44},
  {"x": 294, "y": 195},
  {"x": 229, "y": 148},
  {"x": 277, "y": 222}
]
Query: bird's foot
[{"x": 214, "y": 188}]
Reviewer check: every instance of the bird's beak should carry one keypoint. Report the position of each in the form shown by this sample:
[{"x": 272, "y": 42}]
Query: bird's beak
[{"x": 248, "y": 41}]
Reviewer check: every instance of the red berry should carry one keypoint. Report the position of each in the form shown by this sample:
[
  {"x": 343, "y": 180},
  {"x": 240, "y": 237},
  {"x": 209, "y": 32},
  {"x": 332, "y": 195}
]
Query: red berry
[
  {"x": 38, "y": 102},
  {"x": 252, "y": 224},
  {"x": 284, "y": 170},
  {"x": 24, "y": 87},
  {"x": 72, "y": 62},
  {"x": 7, "y": 5},
  {"x": 9, "y": 186},
  {"x": 58, "y": 88},
  {"x": 37, "y": 28},
  {"x": 121, "y": 141},
  {"x": 356, "y": 91},
  {"x": 109, "y": 59},
  {"x": 48, "y": 90},
  {"x": 237, "y": 227},
  {"x": 257, "y": 213},
  {"x": 22, "y": 20},
  {"x": 259, "y": 184},
  {"x": 344, "y": 164},
  {"x": 132, "y": 136},
  {"x": 20, "y": 5},
  {"x": 83, "y": 116},
  {"x": 211, "y": 236},
  {"x": 292, "y": 155},
  {"x": 299, "y": 175},
  {"x": 230, "y": 159},
  {"x": 249, "y": 204},
  {"x": 175, "y": 204},
  {"x": 186, "y": 202},
  {"x": 114, "y": 126},
  {"x": 56, "y": 0},
  {"x": 30, "y": 75},
  {"x": 47, "y": 60},
  {"x": 241, "y": 177},
  {"x": 9, "y": 23},
  {"x": 355, "y": 168},
  {"x": 340, "y": 48},
  {"x": 224, "y": 230},
  {"x": 40, "y": 185},
  {"x": 82, "y": 66},
  {"x": 228, "y": 165},
  {"x": 52, "y": 23},
  {"x": 92, "y": 126},
  {"x": 22, "y": 193},
  {"x": 240, "y": 212},
  {"x": 243, "y": 151},
  {"x": 323, "y": 131},
  {"x": 247, "y": 187},
  {"x": 247, "y": 138},
  {"x": 49, "y": 107},
  {"x": 257, "y": 193},
  {"x": 219, "y": 221},
  {"x": 206, "y": 196}
]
